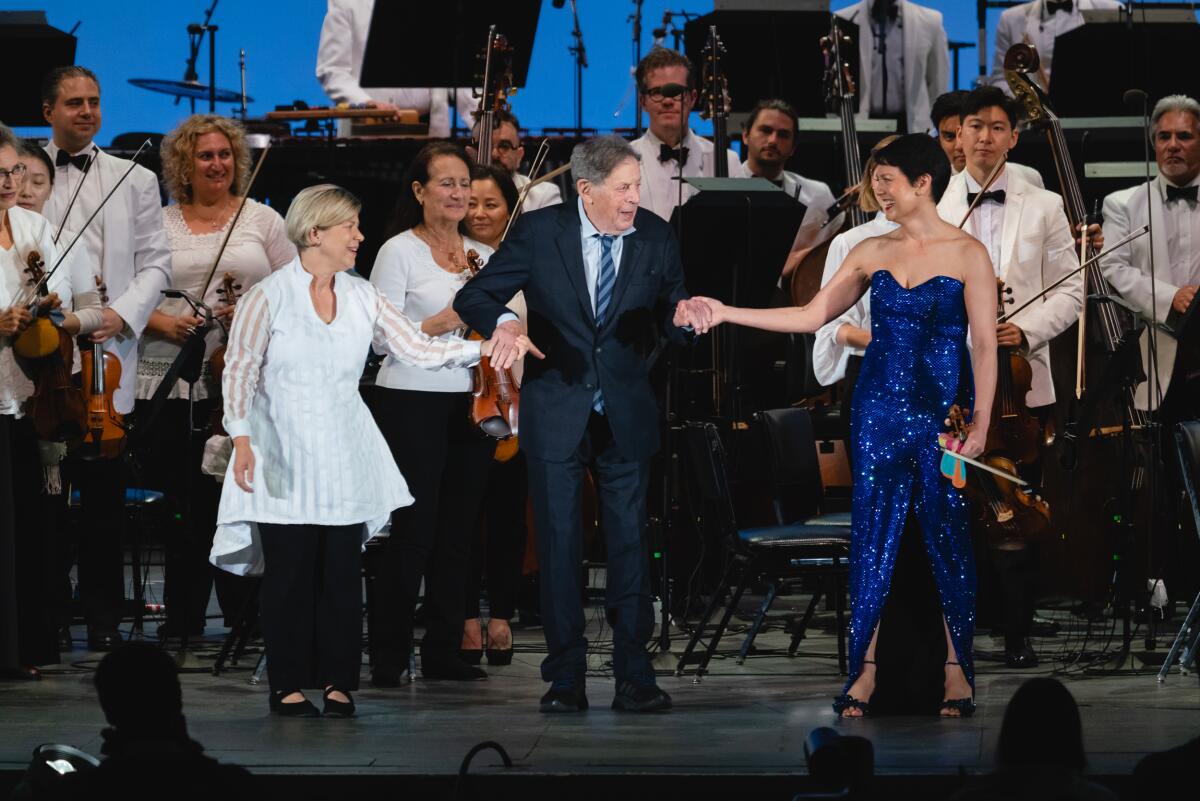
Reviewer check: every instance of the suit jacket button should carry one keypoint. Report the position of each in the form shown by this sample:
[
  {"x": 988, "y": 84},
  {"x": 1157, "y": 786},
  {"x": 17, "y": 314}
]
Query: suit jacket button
[{"x": 598, "y": 349}]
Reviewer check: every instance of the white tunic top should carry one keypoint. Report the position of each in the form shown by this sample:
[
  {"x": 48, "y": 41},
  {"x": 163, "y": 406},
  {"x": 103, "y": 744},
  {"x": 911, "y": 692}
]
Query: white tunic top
[
  {"x": 257, "y": 246},
  {"x": 407, "y": 275},
  {"x": 291, "y": 385}
]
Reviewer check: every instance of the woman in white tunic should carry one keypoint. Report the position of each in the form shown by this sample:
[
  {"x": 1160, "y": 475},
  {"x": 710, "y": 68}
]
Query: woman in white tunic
[{"x": 311, "y": 477}]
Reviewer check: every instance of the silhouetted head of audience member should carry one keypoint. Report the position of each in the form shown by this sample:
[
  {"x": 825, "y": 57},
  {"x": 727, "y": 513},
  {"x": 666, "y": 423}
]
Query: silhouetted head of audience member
[
  {"x": 138, "y": 688},
  {"x": 1041, "y": 728}
]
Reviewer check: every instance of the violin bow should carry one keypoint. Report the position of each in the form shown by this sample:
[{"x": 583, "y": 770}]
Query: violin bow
[
  {"x": 994, "y": 471},
  {"x": 538, "y": 160},
  {"x": 986, "y": 184},
  {"x": 236, "y": 215},
  {"x": 87, "y": 167}
]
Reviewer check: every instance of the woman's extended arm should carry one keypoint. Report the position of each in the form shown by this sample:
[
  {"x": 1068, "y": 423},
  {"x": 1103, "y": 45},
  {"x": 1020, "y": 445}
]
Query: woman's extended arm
[{"x": 980, "y": 297}]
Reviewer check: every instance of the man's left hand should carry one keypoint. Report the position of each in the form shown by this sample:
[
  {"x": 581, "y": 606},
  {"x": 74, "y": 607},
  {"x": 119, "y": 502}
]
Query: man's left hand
[
  {"x": 1095, "y": 237},
  {"x": 1010, "y": 336},
  {"x": 113, "y": 324},
  {"x": 694, "y": 313}
]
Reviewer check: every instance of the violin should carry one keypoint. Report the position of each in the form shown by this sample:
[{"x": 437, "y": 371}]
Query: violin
[
  {"x": 104, "y": 427},
  {"x": 496, "y": 407},
  {"x": 48, "y": 353},
  {"x": 228, "y": 292},
  {"x": 1010, "y": 515},
  {"x": 1013, "y": 429}
]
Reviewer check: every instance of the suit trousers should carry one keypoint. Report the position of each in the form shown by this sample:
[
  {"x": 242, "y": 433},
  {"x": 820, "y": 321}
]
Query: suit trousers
[
  {"x": 556, "y": 489},
  {"x": 311, "y": 605},
  {"x": 101, "y": 485}
]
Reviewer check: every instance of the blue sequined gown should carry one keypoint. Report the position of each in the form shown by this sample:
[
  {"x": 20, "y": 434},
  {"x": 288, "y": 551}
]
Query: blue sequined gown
[{"x": 916, "y": 366}]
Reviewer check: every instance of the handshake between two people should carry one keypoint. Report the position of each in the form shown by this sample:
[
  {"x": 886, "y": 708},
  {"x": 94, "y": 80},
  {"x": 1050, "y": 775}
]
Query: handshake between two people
[{"x": 701, "y": 314}]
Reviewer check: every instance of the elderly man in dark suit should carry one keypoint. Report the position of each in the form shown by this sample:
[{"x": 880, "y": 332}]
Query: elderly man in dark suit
[{"x": 602, "y": 281}]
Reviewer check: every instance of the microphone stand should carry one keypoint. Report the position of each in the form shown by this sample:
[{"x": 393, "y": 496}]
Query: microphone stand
[
  {"x": 580, "y": 54},
  {"x": 636, "y": 18}
]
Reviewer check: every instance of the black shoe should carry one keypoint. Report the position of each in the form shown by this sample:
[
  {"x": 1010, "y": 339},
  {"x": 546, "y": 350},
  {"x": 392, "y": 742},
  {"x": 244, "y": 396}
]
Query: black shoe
[
  {"x": 565, "y": 695},
  {"x": 338, "y": 709},
  {"x": 299, "y": 709},
  {"x": 20, "y": 673},
  {"x": 1022, "y": 657},
  {"x": 472, "y": 656},
  {"x": 385, "y": 678},
  {"x": 634, "y": 697},
  {"x": 451, "y": 670},
  {"x": 64, "y": 638},
  {"x": 103, "y": 639},
  {"x": 499, "y": 656}
]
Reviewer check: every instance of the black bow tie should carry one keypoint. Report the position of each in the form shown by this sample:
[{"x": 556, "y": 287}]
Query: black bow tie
[
  {"x": 1054, "y": 6},
  {"x": 995, "y": 197},
  {"x": 666, "y": 153},
  {"x": 64, "y": 158},
  {"x": 1187, "y": 193}
]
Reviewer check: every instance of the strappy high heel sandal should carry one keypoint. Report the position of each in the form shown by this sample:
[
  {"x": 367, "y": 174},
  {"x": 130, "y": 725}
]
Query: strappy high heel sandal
[
  {"x": 964, "y": 706},
  {"x": 847, "y": 701}
]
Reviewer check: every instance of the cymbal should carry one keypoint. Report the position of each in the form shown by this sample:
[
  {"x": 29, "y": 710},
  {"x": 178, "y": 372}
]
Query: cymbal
[{"x": 195, "y": 91}]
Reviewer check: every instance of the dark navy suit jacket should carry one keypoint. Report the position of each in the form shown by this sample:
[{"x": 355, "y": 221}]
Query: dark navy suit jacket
[{"x": 543, "y": 256}]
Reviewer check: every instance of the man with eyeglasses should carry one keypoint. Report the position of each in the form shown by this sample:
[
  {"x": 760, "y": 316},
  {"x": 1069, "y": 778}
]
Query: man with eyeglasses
[
  {"x": 669, "y": 149},
  {"x": 508, "y": 152}
]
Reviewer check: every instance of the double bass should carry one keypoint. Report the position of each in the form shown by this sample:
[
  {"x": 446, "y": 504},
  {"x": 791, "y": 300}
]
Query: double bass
[{"x": 714, "y": 100}]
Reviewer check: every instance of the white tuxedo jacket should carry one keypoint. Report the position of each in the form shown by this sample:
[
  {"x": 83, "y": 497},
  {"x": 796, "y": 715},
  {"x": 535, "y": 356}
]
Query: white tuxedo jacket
[
  {"x": 926, "y": 58},
  {"x": 1036, "y": 249},
  {"x": 137, "y": 259},
  {"x": 1030, "y": 23}
]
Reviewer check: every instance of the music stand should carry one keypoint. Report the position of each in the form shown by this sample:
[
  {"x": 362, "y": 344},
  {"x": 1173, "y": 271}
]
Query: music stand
[
  {"x": 1158, "y": 59},
  {"x": 28, "y": 40},
  {"x": 772, "y": 54}
]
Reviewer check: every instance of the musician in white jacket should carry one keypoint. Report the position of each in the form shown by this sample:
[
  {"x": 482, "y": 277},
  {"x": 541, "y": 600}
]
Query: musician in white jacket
[
  {"x": 339, "y": 67},
  {"x": 904, "y": 60},
  {"x": 128, "y": 251},
  {"x": 1038, "y": 23},
  {"x": 1169, "y": 203}
]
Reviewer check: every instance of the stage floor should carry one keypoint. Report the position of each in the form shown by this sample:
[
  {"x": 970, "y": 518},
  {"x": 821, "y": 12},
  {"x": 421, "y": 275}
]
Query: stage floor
[{"x": 749, "y": 719}]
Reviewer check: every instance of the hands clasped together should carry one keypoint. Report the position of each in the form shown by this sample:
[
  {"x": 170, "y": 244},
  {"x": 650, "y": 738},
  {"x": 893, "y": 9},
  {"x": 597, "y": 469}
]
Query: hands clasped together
[{"x": 701, "y": 313}]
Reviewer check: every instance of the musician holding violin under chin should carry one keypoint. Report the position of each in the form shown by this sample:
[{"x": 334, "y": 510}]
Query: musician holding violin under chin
[
  {"x": 28, "y": 623},
  {"x": 206, "y": 168},
  {"x": 311, "y": 477}
]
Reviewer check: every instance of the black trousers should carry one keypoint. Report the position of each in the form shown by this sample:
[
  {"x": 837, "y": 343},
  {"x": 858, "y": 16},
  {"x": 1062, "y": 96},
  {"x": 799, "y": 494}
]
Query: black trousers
[
  {"x": 101, "y": 484},
  {"x": 311, "y": 605},
  {"x": 28, "y": 552},
  {"x": 501, "y": 548},
  {"x": 445, "y": 462},
  {"x": 556, "y": 489}
]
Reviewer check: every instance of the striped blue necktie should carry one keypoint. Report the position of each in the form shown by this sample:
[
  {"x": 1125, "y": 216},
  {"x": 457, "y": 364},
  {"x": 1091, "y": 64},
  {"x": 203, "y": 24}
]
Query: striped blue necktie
[{"x": 605, "y": 280}]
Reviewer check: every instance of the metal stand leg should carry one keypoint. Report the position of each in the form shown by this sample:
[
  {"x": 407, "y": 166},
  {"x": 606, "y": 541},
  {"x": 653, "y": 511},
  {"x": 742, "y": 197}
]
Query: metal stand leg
[
  {"x": 763, "y": 608},
  {"x": 1185, "y": 644}
]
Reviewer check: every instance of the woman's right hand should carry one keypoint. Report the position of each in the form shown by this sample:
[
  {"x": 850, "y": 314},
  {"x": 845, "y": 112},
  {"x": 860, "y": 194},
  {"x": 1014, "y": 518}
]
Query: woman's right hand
[
  {"x": 14, "y": 320},
  {"x": 975, "y": 443},
  {"x": 243, "y": 463},
  {"x": 175, "y": 328},
  {"x": 715, "y": 308}
]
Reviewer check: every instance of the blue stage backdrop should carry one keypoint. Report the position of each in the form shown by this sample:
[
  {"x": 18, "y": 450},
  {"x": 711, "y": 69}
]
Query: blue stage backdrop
[{"x": 148, "y": 39}]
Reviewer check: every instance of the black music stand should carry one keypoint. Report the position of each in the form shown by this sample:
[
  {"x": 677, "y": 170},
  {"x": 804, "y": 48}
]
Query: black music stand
[
  {"x": 28, "y": 40},
  {"x": 1156, "y": 57},
  {"x": 771, "y": 54},
  {"x": 407, "y": 42}
]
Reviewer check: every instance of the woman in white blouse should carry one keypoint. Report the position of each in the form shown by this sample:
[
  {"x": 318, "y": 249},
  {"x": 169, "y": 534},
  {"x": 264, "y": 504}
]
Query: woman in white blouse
[
  {"x": 206, "y": 165},
  {"x": 311, "y": 478},
  {"x": 424, "y": 418}
]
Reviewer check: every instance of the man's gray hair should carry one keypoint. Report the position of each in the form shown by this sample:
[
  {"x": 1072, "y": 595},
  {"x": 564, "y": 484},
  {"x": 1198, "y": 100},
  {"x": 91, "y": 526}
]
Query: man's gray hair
[
  {"x": 1174, "y": 103},
  {"x": 9, "y": 139},
  {"x": 594, "y": 159}
]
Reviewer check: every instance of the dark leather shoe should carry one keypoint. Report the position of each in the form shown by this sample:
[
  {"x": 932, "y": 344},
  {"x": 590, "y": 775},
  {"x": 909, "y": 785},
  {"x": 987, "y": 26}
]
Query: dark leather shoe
[
  {"x": 20, "y": 673},
  {"x": 565, "y": 695},
  {"x": 339, "y": 709},
  {"x": 103, "y": 639},
  {"x": 633, "y": 697},
  {"x": 1021, "y": 658},
  {"x": 451, "y": 670},
  {"x": 385, "y": 679},
  {"x": 298, "y": 709},
  {"x": 471, "y": 656}
]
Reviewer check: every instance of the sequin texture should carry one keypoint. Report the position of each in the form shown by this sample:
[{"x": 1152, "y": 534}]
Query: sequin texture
[{"x": 916, "y": 366}]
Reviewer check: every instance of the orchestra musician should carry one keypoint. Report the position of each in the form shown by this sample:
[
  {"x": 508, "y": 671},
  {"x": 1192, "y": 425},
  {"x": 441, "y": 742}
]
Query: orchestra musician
[
  {"x": 206, "y": 169},
  {"x": 599, "y": 276},
  {"x": 903, "y": 58},
  {"x": 509, "y": 153},
  {"x": 1038, "y": 23},
  {"x": 311, "y": 478},
  {"x": 1169, "y": 201},
  {"x": 946, "y": 117},
  {"x": 128, "y": 252},
  {"x": 670, "y": 148},
  {"x": 769, "y": 134},
  {"x": 1029, "y": 242},
  {"x": 493, "y": 196},
  {"x": 28, "y": 553},
  {"x": 425, "y": 420},
  {"x": 340, "y": 55}
]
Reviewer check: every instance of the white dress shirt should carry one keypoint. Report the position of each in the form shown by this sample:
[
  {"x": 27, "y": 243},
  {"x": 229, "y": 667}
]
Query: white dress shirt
[
  {"x": 538, "y": 197},
  {"x": 987, "y": 220},
  {"x": 1030, "y": 23},
  {"x": 660, "y": 179},
  {"x": 339, "y": 67},
  {"x": 1181, "y": 220},
  {"x": 593, "y": 250},
  {"x": 91, "y": 192},
  {"x": 407, "y": 275},
  {"x": 888, "y": 67},
  {"x": 815, "y": 196},
  {"x": 291, "y": 386}
]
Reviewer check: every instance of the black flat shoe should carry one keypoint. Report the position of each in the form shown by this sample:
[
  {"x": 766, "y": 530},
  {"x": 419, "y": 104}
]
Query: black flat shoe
[
  {"x": 385, "y": 679},
  {"x": 472, "y": 656},
  {"x": 299, "y": 709},
  {"x": 633, "y": 697},
  {"x": 20, "y": 673},
  {"x": 564, "y": 695},
  {"x": 498, "y": 657},
  {"x": 338, "y": 709},
  {"x": 452, "y": 670}
]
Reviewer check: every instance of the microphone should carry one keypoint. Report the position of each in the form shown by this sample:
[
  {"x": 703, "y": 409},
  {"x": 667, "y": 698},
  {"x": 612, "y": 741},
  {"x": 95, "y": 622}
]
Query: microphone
[{"x": 1135, "y": 98}]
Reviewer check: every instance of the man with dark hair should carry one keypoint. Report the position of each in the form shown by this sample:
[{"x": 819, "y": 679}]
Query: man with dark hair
[
  {"x": 127, "y": 250},
  {"x": 946, "y": 117},
  {"x": 509, "y": 153},
  {"x": 769, "y": 134},
  {"x": 1028, "y": 238},
  {"x": 670, "y": 150}
]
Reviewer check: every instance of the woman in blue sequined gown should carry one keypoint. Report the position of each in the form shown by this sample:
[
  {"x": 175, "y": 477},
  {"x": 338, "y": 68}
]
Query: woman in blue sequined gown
[{"x": 927, "y": 280}]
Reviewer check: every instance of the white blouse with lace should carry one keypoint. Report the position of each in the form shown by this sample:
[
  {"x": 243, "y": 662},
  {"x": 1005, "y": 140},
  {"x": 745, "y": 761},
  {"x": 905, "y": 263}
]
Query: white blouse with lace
[
  {"x": 291, "y": 385},
  {"x": 258, "y": 246}
]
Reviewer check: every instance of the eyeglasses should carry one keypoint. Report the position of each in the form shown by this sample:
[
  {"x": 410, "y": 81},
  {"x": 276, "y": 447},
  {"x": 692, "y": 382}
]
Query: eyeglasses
[
  {"x": 667, "y": 90},
  {"x": 15, "y": 173},
  {"x": 504, "y": 146}
]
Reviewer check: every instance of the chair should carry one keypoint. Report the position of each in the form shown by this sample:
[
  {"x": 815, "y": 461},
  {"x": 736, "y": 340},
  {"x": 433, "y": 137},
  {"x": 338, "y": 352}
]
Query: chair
[
  {"x": 770, "y": 552},
  {"x": 1187, "y": 449}
]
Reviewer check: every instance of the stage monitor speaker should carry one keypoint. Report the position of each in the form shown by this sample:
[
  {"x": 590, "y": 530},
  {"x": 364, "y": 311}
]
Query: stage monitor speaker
[{"x": 27, "y": 40}]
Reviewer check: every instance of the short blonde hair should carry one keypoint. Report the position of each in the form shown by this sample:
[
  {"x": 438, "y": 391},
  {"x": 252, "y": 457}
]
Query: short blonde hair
[
  {"x": 178, "y": 152},
  {"x": 321, "y": 206},
  {"x": 866, "y": 194}
]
